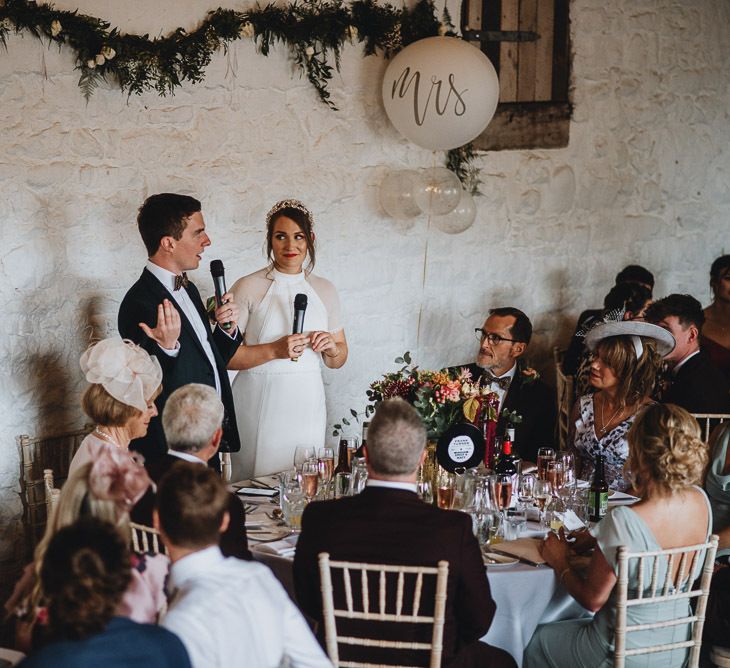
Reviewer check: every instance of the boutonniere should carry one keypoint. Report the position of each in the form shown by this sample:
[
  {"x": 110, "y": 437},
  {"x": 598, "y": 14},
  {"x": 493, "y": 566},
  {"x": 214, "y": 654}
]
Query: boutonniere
[
  {"x": 529, "y": 375},
  {"x": 513, "y": 417}
]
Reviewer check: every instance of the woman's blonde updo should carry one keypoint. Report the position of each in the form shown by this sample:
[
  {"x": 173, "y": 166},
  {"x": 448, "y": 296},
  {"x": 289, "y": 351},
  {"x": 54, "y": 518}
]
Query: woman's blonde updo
[{"x": 666, "y": 452}]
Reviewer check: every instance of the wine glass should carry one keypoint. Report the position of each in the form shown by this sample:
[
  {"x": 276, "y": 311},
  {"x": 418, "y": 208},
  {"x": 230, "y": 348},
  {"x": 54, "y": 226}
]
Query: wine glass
[
  {"x": 526, "y": 489},
  {"x": 301, "y": 454},
  {"x": 543, "y": 493},
  {"x": 568, "y": 461},
  {"x": 310, "y": 478},
  {"x": 544, "y": 455},
  {"x": 326, "y": 463},
  {"x": 503, "y": 489},
  {"x": 555, "y": 474}
]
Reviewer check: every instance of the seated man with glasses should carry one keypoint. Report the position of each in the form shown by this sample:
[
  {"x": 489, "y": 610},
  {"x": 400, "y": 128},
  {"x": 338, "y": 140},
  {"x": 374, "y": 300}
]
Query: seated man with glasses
[{"x": 503, "y": 340}]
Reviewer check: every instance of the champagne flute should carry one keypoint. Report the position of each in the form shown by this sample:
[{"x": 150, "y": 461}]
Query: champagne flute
[
  {"x": 310, "y": 478},
  {"x": 326, "y": 463},
  {"x": 544, "y": 455},
  {"x": 503, "y": 489},
  {"x": 555, "y": 474},
  {"x": 543, "y": 493},
  {"x": 301, "y": 454},
  {"x": 446, "y": 490}
]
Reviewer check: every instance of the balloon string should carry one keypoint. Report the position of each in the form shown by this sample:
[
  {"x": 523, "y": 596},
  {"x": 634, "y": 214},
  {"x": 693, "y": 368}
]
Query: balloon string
[{"x": 425, "y": 260}]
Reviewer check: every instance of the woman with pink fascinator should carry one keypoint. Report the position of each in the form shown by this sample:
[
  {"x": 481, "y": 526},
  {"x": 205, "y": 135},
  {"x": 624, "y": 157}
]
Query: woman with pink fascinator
[
  {"x": 105, "y": 488},
  {"x": 125, "y": 381}
]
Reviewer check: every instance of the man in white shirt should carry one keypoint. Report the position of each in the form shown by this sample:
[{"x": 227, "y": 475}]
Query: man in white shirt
[
  {"x": 164, "y": 314},
  {"x": 226, "y": 611}
]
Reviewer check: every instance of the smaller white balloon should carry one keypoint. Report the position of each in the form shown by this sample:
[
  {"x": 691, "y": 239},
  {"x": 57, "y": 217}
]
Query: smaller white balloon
[
  {"x": 461, "y": 218},
  {"x": 397, "y": 194},
  {"x": 437, "y": 191}
]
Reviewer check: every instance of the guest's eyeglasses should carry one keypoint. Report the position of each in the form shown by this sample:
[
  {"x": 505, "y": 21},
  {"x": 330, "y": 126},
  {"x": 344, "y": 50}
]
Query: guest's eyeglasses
[{"x": 493, "y": 338}]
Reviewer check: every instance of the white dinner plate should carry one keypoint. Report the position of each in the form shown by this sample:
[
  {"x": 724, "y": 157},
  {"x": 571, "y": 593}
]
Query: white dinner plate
[{"x": 494, "y": 560}]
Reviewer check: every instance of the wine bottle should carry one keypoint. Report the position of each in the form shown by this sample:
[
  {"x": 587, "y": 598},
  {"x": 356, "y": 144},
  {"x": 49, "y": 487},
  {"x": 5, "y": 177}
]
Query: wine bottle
[
  {"x": 506, "y": 463},
  {"x": 598, "y": 494},
  {"x": 343, "y": 461}
]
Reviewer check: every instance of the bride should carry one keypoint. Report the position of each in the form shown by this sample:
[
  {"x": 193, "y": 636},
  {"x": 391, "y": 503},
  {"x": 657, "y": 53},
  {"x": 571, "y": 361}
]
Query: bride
[{"x": 279, "y": 394}]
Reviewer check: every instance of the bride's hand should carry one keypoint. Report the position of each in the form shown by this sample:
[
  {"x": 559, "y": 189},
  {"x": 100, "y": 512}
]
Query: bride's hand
[
  {"x": 323, "y": 342},
  {"x": 291, "y": 346}
]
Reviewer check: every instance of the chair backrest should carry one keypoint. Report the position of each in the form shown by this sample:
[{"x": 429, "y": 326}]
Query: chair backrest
[
  {"x": 708, "y": 421},
  {"x": 564, "y": 386},
  {"x": 392, "y": 581},
  {"x": 146, "y": 540},
  {"x": 38, "y": 454},
  {"x": 681, "y": 572}
]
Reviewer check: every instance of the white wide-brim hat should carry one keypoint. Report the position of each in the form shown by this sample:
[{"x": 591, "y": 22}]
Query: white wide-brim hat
[{"x": 634, "y": 328}]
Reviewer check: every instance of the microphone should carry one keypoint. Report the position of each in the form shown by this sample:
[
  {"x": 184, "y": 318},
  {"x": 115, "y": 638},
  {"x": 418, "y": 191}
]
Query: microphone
[
  {"x": 300, "y": 306},
  {"x": 219, "y": 282}
]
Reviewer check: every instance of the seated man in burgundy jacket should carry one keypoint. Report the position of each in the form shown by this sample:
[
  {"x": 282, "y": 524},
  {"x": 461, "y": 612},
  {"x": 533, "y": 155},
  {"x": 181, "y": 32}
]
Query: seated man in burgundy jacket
[{"x": 387, "y": 523}]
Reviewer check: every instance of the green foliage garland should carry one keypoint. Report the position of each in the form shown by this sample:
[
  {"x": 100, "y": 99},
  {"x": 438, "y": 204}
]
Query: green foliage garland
[{"x": 315, "y": 32}]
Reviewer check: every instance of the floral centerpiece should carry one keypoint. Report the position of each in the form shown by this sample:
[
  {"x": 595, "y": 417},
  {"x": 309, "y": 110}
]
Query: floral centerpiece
[{"x": 442, "y": 398}]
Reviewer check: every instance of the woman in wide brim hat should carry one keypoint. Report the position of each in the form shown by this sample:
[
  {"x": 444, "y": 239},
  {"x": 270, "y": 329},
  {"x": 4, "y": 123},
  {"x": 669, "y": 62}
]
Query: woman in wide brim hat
[{"x": 626, "y": 358}]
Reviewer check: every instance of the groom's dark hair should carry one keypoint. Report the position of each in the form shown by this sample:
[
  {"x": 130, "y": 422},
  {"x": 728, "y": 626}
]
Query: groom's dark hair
[{"x": 164, "y": 215}]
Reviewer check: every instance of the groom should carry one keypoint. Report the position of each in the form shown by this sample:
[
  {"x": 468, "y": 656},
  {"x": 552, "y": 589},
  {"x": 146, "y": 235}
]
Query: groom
[{"x": 163, "y": 313}]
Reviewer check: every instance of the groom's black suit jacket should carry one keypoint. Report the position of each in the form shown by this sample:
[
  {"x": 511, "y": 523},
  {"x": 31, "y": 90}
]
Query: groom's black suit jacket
[
  {"x": 537, "y": 405},
  {"x": 191, "y": 364}
]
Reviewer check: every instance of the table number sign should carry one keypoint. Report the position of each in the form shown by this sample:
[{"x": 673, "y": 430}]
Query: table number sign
[{"x": 460, "y": 446}]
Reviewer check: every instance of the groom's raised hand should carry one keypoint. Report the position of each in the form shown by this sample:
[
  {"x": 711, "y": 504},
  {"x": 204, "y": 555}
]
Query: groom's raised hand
[{"x": 167, "y": 330}]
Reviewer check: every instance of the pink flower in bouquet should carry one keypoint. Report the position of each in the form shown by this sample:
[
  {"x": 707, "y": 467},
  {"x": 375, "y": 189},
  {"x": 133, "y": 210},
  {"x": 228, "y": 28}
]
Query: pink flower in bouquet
[
  {"x": 464, "y": 374},
  {"x": 452, "y": 390}
]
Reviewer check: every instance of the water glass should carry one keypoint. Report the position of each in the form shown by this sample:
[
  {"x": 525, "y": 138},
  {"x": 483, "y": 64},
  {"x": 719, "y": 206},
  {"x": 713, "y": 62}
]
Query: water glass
[
  {"x": 543, "y": 493},
  {"x": 293, "y": 502},
  {"x": 359, "y": 475},
  {"x": 516, "y": 522},
  {"x": 285, "y": 479},
  {"x": 342, "y": 484},
  {"x": 526, "y": 489}
]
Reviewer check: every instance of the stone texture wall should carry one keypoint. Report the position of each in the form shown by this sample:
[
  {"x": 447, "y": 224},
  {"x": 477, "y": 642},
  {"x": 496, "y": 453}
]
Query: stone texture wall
[{"x": 644, "y": 180}]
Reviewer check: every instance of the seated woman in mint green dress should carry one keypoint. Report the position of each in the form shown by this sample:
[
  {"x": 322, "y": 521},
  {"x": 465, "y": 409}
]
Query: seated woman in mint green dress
[{"x": 666, "y": 458}]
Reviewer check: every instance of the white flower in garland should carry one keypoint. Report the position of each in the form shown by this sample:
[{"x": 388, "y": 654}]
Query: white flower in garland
[
  {"x": 90, "y": 64},
  {"x": 247, "y": 30},
  {"x": 443, "y": 30},
  {"x": 309, "y": 52},
  {"x": 56, "y": 28},
  {"x": 100, "y": 60},
  {"x": 108, "y": 52},
  {"x": 352, "y": 33}
]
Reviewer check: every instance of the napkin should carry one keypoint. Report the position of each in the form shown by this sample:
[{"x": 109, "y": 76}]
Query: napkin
[
  {"x": 571, "y": 521},
  {"x": 286, "y": 547},
  {"x": 526, "y": 549}
]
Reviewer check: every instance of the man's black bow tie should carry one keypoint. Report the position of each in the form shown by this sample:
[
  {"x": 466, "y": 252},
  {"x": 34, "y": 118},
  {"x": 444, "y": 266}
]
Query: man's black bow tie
[{"x": 181, "y": 281}]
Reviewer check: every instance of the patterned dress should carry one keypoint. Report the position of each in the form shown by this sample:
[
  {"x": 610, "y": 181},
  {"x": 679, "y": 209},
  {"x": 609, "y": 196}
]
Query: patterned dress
[{"x": 612, "y": 445}]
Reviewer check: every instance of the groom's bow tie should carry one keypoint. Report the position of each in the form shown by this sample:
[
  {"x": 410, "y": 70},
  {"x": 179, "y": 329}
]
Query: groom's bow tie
[{"x": 181, "y": 281}]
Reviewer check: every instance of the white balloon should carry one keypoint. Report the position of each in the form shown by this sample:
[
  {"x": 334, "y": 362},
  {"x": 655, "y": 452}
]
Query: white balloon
[
  {"x": 461, "y": 218},
  {"x": 437, "y": 191},
  {"x": 440, "y": 92},
  {"x": 397, "y": 194}
]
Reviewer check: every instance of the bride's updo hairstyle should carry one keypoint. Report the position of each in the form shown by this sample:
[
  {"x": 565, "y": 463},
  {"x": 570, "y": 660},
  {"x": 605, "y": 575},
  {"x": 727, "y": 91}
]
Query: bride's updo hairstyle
[
  {"x": 666, "y": 452},
  {"x": 296, "y": 211}
]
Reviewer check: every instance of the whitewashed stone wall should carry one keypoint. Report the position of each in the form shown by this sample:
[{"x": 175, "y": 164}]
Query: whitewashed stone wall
[{"x": 644, "y": 179}]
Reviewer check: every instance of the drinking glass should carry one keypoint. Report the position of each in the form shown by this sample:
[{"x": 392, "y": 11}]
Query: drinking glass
[
  {"x": 285, "y": 479},
  {"x": 342, "y": 484},
  {"x": 526, "y": 489},
  {"x": 568, "y": 460},
  {"x": 516, "y": 522},
  {"x": 544, "y": 455},
  {"x": 353, "y": 443},
  {"x": 301, "y": 454},
  {"x": 555, "y": 474},
  {"x": 326, "y": 464},
  {"x": 446, "y": 490},
  {"x": 425, "y": 491},
  {"x": 293, "y": 502},
  {"x": 543, "y": 493},
  {"x": 359, "y": 475},
  {"x": 310, "y": 478},
  {"x": 503, "y": 491}
]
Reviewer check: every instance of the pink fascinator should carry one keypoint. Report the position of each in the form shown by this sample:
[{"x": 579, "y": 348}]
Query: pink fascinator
[
  {"x": 116, "y": 476},
  {"x": 126, "y": 371}
]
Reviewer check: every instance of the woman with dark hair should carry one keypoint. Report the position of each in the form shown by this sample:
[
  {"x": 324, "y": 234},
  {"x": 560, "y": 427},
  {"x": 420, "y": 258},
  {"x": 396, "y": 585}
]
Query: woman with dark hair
[
  {"x": 715, "y": 337},
  {"x": 85, "y": 573},
  {"x": 626, "y": 358},
  {"x": 279, "y": 372},
  {"x": 667, "y": 459}
]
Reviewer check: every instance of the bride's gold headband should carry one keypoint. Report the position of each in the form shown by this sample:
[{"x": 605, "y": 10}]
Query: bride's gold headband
[{"x": 289, "y": 204}]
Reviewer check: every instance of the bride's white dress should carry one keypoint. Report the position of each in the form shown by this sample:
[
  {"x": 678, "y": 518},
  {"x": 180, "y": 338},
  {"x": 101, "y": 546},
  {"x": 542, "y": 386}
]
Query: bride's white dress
[{"x": 280, "y": 404}]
